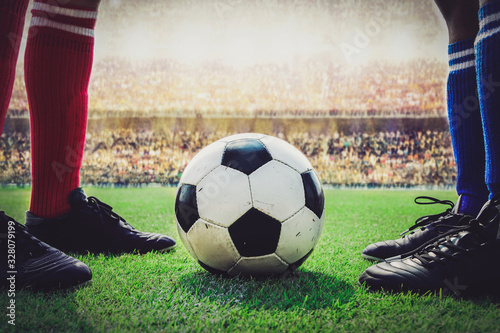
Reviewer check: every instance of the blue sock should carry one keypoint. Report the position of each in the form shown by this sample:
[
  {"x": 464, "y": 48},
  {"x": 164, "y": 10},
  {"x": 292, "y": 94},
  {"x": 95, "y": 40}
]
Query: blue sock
[
  {"x": 488, "y": 83},
  {"x": 466, "y": 129}
]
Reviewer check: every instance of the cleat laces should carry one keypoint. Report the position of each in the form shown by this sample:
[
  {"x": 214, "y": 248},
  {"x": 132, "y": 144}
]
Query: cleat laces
[
  {"x": 423, "y": 221},
  {"x": 458, "y": 241},
  {"x": 106, "y": 210}
]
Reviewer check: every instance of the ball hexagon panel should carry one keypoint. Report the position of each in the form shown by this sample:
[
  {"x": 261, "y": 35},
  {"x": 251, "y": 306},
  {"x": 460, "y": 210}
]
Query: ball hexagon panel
[
  {"x": 259, "y": 266},
  {"x": 213, "y": 245},
  {"x": 299, "y": 235},
  {"x": 277, "y": 190},
  {"x": 245, "y": 155},
  {"x": 205, "y": 161},
  {"x": 284, "y": 152},
  {"x": 242, "y": 136},
  {"x": 186, "y": 207},
  {"x": 185, "y": 241},
  {"x": 223, "y": 196},
  {"x": 315, "y": 198},
  {"x": 255, "y": 234}
]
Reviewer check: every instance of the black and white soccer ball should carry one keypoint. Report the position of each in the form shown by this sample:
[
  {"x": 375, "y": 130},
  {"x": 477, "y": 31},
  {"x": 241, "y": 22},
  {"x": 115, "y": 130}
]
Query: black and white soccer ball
[{"x": 249, "y": 204}]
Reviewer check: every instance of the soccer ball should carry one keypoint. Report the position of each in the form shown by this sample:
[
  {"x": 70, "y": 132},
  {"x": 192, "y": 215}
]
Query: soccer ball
[{"x": 251, "y": 205}]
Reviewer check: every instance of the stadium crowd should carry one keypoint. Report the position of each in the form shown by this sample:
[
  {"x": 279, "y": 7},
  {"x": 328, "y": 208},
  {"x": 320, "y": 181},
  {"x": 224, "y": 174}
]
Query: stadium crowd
[
  {"x": 313, "y": 85},
  {"x": 135, "y": 158},
  {"x": 165, "y": 86}
]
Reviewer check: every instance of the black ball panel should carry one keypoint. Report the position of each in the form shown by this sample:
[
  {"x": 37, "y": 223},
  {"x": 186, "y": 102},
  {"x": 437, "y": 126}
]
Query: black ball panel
[
  {"x": 315, "y": 198},
  {"x": 213, "y": 270},
  {"x": 299, "y": 262},
  {"x": 186, "y": 207},
  {"x": 246, "y": 155},
  {"x": 255, "y": 234}
]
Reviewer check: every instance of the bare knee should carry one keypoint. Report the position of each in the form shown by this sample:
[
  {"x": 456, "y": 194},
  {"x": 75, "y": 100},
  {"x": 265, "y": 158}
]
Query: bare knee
[{"x": 461, "y": 18}]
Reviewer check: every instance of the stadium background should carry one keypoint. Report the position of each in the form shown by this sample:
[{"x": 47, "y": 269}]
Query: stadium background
[{"x": 358, "y": 86}]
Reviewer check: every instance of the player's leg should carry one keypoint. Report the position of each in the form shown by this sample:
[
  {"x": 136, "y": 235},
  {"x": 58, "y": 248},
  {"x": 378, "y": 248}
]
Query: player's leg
[
  {"x": 12, "y": 14},
  {"x": 463, "y": 105},
  {"x": 466, "y": 133},
  {"x": 58, "y": 63},
  {"x": 463, "y": 261},
  {"x": 488, "y": 81},
  {"x": 26, "y": 262}
]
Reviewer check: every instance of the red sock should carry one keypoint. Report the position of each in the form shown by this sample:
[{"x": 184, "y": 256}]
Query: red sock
[
  {"x": 58, "y": 62},
  {"x": 12, "y": 13}
]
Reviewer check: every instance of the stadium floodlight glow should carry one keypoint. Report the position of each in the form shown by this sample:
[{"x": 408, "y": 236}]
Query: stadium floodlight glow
[
  {"x": 403, "y": 46},
  {"x": 140, "y": 43},
  {"x": 242, "y": 44},
  {"x": 242, "y": 33}
]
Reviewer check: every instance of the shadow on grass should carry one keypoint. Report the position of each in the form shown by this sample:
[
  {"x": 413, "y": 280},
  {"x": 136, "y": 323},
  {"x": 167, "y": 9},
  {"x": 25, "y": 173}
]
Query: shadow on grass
[
  {"x": 302, "y": 290},
  {"x": 46, "y": 311},
  {"x": 483, "y": 299}
]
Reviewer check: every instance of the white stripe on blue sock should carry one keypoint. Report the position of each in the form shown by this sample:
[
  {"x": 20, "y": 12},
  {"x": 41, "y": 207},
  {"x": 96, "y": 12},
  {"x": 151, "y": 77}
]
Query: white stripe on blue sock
[{"x": 461, "y": 60}]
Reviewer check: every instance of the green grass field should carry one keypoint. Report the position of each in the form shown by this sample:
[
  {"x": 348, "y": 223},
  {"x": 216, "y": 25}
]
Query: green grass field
[{"x": 171, "y": 293}]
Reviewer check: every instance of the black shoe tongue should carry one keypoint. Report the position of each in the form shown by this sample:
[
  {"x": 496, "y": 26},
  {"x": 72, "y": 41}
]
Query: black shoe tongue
[
  {"x": 77, "y": 198},
  {"x": 489, "y": 216}
]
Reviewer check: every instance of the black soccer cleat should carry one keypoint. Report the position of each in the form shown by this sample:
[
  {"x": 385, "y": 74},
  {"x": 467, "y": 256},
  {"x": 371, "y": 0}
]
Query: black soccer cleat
[
  {"x": 426, "y": 229},
  {"x": 31, "y": 264},
  {"x": 92, "y": 226},
  {"x": 463, "y": 262}
]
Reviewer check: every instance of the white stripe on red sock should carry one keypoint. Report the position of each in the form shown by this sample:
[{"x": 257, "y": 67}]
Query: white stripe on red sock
[
  {"x": 43, "y": 22},
  {"x": 79, "y": 13}
]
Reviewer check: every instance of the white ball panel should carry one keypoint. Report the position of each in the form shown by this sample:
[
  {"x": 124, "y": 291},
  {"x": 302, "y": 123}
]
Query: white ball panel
[
  {"x": 185, "y": 241},
  {"x": 213, "y": 245},
  {"x": 223, "y": 196},
  {"x": 202, "y": 163},
  {"x": 284, "y": 152},
  {"x": 265, "y": 265},
  {"x": 277, "y": 190},
  {"x": 242, "y": 136},
  {"x": 299, "y": 235}
]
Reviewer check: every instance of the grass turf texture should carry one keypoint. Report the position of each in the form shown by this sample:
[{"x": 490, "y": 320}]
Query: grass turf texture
[{"x": 171, "y": 292}]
